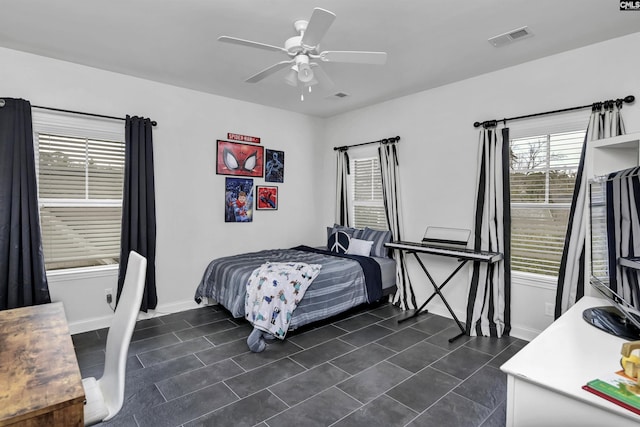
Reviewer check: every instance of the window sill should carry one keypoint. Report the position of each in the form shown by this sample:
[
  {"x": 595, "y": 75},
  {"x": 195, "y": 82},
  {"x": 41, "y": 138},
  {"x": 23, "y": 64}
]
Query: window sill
[
  {"x": 57, "y": 276},
  {"x": 534, "y": 280}
]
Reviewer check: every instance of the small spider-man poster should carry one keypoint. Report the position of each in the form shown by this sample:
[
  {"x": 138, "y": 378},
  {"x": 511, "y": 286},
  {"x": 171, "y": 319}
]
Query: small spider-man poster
[
  {"x": 239, "y": 159},
  {"x": 238, "y": 200},
  {"x": 267, "y": 197}
]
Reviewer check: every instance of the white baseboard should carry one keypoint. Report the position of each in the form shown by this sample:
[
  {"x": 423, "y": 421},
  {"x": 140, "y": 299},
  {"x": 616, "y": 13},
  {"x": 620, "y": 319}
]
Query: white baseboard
[
  {"x": 91, "y": 324},
  {"x": 523, "y": 333},
  {"x": 517, "y": 331},
  {"x": 441, "y": 310},
  {"x": 94, "y": 323}
]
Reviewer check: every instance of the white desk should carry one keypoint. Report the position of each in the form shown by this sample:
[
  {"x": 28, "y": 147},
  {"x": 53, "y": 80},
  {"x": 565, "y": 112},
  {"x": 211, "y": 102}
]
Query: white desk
[{"x": 545, "y": 379}]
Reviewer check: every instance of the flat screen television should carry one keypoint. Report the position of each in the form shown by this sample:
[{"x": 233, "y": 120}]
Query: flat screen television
[{"x": 622, "y": 318}]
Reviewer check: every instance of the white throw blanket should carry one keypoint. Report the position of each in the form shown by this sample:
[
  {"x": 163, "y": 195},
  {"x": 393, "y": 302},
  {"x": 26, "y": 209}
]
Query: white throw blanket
[{"x": 274, "y": 291}]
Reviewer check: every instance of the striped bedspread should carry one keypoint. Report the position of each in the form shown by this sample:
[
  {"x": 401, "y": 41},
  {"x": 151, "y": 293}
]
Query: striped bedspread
[{"x": 339, "y": 286}]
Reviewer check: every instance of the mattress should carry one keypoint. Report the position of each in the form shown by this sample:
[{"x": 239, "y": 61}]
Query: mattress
[{"x": 387, "y": 272}]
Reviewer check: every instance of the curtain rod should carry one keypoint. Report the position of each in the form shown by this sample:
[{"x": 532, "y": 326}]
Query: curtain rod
[
  {"x": 153, "y": 122},
  {"x": 489, "y": 123},
  {"x": 381, "y": 141}
]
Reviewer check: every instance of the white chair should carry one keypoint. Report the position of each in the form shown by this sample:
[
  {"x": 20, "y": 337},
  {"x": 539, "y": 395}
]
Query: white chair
[{"x": 104, "y": 397}]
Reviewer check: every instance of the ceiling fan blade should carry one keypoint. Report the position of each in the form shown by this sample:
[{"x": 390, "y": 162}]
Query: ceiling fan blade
[
  {"x": 317, "y": 27},
  {"x": 249, "y": 43},
  {"x": 323, "y": 78},
  {"x": 354, "y": 57},
  {"x": 268, "y": 71}
]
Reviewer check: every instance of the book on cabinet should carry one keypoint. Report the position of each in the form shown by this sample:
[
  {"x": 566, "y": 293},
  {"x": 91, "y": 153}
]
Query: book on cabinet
[{"x": 617, "y": 388}]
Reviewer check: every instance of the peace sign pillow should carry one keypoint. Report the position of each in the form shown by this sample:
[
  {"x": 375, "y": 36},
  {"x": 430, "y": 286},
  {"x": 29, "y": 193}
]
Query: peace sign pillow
[{"x": 339, "y": 242}]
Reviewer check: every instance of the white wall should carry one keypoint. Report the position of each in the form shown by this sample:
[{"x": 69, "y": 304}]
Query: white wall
[
  {"x": 437, "y": 155},
  {"x": 438, "y": 147},
  {"x": 189, "y": 195}
]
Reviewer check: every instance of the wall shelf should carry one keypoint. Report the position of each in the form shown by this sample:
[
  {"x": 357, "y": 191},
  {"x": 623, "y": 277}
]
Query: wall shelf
[{"x": 613, "y": 154}]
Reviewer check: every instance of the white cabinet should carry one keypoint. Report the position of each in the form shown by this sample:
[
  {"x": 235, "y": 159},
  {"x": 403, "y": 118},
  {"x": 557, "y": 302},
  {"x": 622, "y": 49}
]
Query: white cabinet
[{"x": 545, "y": 378}]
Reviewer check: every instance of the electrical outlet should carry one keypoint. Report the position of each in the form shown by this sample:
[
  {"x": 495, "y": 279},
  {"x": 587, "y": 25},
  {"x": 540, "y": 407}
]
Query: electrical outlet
[
  {"x": 108, "y": 294},
  {"x": 548, "y": 309}
]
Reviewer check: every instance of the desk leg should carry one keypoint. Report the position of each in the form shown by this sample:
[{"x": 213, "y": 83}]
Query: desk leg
[{"x": 438, "y": 291}]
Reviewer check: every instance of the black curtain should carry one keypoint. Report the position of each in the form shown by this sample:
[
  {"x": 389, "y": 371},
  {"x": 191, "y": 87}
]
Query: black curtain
[
  {"x": 139, "y": 206},
  {"x": 23, "y": 280}
]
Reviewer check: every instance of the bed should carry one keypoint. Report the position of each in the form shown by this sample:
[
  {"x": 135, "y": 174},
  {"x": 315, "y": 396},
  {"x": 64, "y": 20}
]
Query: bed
[{"x": 345, "y": 280}]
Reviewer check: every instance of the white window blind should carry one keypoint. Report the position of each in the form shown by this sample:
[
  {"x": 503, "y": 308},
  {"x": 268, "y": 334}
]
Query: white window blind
[
  {"x": 368, "y": 204},
  {"x": 80, "y": 184},
  {"x": 543, "y": 170}
]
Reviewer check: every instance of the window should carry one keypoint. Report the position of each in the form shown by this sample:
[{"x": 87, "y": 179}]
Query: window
[
  {"x": 542, "y": 177},
  {"x": 80, "y": 166},
  {"x": 368, "y": 204}
]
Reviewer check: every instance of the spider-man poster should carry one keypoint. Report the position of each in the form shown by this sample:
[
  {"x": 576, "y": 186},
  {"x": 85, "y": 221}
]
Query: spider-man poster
[
  {"x": 274, "y": 166},
  {"x": 267, "y": 197},
  {"x": 239, "y": 159},
  {"x": 238, "y": 200}
]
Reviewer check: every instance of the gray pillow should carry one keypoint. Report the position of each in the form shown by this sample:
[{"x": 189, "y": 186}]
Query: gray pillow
[
  {"x": 379, "y": 238},
  {"x": 337, "y": 227}
]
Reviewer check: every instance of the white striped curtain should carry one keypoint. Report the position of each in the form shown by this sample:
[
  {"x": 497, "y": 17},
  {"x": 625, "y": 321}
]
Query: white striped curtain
[
  {"x": 387, "y": 154},
  {"x": 342, "y": 197},
  {"x": 623, "y": 231},
  {"x": 488, "y": 308},
  {"x": 605, "y": 121}
]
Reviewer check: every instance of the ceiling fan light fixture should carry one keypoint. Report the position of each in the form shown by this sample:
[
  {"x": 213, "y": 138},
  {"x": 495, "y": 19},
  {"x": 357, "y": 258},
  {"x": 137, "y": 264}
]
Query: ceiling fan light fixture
[
  {"x": 313, "y": 81},
  {"x": 292, "y": 76},
  {"x": 305, "y": 74}
]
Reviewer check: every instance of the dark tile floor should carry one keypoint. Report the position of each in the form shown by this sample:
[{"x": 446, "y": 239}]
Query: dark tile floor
[{"x": 361, "y": 369}]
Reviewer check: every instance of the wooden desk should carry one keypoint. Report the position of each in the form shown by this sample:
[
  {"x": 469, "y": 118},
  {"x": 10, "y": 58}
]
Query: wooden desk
[{"x": 40, "y": 382}]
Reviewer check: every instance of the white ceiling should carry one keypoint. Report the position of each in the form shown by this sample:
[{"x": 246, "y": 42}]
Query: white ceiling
[{"x": 429, "y": 42}]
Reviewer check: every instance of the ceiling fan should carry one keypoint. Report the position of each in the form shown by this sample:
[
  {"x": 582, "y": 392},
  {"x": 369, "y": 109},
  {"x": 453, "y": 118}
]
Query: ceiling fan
[{"x": 305, "y": 55}]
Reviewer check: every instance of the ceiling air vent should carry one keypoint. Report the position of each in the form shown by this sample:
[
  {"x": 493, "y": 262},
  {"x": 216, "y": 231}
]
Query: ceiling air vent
[{"x": 510, "y": 37}]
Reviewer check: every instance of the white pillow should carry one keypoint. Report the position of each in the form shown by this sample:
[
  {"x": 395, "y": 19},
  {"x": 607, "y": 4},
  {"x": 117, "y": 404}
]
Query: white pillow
[{"x": 359, "y": 247}]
